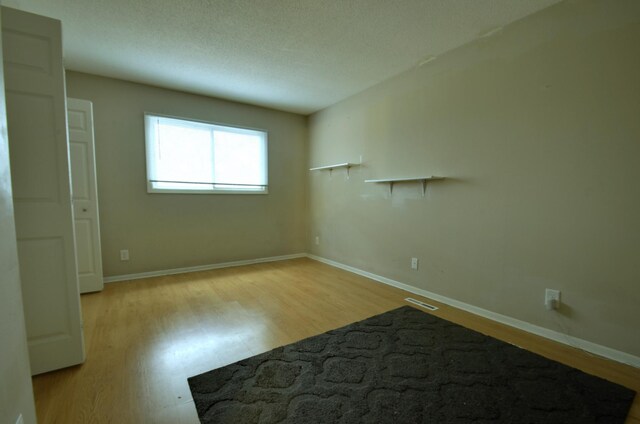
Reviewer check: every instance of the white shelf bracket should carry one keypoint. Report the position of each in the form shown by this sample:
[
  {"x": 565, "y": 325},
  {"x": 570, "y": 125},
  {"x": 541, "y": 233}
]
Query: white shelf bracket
[{"x": 391, "y": 181}]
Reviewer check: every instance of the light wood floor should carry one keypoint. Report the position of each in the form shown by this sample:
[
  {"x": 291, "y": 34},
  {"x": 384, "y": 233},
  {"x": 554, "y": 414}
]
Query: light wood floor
[{"x": 145, "y": 337}]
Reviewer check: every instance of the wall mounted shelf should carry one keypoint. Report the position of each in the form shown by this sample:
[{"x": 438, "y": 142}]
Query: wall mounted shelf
[
  {"x": 330, "y": 168},
  {"x": 392, "y": 181}
]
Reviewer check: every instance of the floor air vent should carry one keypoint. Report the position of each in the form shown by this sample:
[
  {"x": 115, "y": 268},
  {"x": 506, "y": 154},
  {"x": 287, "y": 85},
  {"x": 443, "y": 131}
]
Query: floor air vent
[{"x": 419, "y": 303}]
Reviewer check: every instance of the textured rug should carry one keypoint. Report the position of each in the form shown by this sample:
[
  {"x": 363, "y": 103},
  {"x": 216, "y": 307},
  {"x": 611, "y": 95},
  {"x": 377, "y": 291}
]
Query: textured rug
[{"x": 404, "y": 366}]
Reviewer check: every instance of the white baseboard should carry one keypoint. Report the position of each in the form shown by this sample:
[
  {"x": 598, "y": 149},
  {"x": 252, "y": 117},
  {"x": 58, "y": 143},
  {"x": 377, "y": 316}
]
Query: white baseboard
[
  {"x": 137, "y": 276},
  {"x": 565, "y": 339}
]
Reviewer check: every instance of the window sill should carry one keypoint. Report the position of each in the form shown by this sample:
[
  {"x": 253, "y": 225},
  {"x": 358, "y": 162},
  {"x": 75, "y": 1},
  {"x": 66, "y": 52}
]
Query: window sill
[{"x": 163, "y": 191}]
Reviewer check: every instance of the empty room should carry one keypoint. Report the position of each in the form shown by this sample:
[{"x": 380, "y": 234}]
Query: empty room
[{"x": 331, "y": 211}]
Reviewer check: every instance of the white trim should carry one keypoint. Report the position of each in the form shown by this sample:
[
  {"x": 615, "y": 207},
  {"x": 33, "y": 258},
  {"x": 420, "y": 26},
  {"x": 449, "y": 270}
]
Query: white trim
[
  {"x": 137, "y": 276},
  {"x": 207, "y": 122},
  {"x": 152, "y": 123},
  {"x": 562, "y": 338},
  {"x": 556, "y": 336},
  {"x": 152, "y": 190}
]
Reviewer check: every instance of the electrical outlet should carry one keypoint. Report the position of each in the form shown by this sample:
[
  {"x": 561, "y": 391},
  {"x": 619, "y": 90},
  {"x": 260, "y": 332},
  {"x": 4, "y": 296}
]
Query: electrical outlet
[
  {"x": 124, "y": 255},
  {"x": 552, "y": 299},
  {"x": 20, "y": 420},
  {"x": 317, "y": 240},
  {"x": 414, "y": 263}
]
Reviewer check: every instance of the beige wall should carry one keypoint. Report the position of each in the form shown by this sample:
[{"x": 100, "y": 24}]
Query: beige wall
[
  {"x": 16, "y": 394},
  {"x": 538, "y": 131},
  {"x": 164, "y": 231}
]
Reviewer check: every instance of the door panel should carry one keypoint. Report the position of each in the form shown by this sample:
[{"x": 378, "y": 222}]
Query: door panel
[
  {"x": 85, "y": 194},
  {"x": 35, "y": 174},
  {"x": 36, "y": 117},
  {"x": 42, "y": 260},
  {"x": 79, "y": 174},
  {"x": 84, "y": 246}
]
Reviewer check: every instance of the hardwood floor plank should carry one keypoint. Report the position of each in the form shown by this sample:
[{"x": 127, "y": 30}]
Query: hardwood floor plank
[{"x": 144, "y": 338}]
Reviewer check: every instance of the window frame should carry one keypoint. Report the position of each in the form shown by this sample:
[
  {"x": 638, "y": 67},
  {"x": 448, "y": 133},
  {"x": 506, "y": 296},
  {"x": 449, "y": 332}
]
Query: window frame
[{"x": 149, "y": 150}]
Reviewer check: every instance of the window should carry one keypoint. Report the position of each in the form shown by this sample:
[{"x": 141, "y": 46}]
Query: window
[{"x": 196, "y": 157}]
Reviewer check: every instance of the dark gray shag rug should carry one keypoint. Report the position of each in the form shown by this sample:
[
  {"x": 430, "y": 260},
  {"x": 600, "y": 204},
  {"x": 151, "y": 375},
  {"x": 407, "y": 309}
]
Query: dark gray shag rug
[{"x": 404, "y": 366}]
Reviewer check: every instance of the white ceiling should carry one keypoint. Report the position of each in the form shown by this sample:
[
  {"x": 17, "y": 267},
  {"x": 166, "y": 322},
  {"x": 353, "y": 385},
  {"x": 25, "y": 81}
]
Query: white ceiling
[{"x": 294, "y": 55}]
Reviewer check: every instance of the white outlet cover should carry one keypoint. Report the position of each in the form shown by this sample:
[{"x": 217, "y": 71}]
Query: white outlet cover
[
  {"x": 20, "y": 420},
  {"x": 551, "y": 299}
]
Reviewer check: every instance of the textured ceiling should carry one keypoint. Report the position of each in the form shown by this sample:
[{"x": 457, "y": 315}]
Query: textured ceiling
[{"x": 293, "y": 55}]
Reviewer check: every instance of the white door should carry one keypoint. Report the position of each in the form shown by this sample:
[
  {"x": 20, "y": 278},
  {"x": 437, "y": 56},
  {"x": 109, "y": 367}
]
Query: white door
[
  {"x": 37, "y": 123},
  {"x": 85, "y": 194}
]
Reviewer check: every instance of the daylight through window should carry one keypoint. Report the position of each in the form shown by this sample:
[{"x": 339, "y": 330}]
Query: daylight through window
[{"x": 186, "y": 156}]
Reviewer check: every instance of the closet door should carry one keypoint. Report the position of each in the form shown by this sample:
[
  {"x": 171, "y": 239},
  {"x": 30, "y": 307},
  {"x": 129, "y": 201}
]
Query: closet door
[
  {"x": 39, "y": 154},
  {"x": 85, "y": 194}
]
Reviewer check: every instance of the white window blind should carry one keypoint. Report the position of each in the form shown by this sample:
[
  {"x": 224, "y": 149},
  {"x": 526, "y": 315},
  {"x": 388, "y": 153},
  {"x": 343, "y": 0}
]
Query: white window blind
[{"x": 185, "y": 156}]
